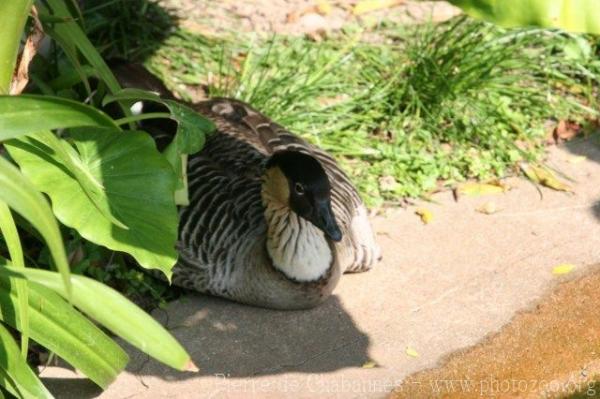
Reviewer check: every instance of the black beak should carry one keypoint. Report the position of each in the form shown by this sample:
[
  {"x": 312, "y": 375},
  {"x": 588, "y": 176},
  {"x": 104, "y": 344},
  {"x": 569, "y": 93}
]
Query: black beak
[{"x": 325, "y": 220}]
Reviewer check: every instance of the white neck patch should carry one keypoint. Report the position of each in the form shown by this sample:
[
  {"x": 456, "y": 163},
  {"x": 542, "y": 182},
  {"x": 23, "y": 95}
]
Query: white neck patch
[{"x": 297, "y": 247}]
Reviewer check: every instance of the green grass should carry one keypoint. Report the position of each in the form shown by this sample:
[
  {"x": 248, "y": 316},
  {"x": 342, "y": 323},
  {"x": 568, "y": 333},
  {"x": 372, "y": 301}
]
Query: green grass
[{"x": 416, "y": 110}]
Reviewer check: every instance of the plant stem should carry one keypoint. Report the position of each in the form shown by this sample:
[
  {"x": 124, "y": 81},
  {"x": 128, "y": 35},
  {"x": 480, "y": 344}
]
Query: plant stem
[{"x": 13, "y": 15}]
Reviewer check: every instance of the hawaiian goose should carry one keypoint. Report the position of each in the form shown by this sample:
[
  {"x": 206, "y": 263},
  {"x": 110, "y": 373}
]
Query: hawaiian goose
[{"x": 272, "y": 221}]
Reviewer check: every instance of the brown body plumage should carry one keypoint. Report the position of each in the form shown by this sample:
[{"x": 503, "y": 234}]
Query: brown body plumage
[{"x": 223, "y": 236}]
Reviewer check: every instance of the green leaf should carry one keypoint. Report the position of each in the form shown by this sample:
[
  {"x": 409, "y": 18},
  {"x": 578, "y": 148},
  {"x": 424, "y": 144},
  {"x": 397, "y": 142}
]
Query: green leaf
[
  {"x": 570, "y": 15},
  {"x": 90, "y": 186},
  {"x": 132, "y": 180},
  {"x": 20, "y": 195},
  {"x": 23, "y": 381},
  {"x": 114, "y": 312},
  {"x": 19, "y": 114},
  {"x": 11, "y": 237},
  {"x": 63, "y": 330},
  {"x": 191, "y": 126},
  {"x": 25, "y": 114},
  {"x": 192, "y": 129}
]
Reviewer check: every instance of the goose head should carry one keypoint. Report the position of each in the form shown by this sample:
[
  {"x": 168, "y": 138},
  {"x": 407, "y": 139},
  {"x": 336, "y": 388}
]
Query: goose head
[{"x": 298, "y": 181}]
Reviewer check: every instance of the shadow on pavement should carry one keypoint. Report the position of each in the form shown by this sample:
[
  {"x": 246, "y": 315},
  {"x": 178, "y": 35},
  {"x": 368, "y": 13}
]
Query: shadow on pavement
[
  {"x": 80, "y": 388},
  {"x": 229, "y": 340}
]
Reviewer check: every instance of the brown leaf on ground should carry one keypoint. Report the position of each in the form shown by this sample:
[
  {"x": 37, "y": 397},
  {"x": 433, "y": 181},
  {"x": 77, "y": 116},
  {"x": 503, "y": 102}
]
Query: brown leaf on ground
[{"x": 565, "y": 131}]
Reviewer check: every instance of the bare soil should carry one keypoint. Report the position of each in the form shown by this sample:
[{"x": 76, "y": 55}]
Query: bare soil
[{"x": 297, "y": 17}]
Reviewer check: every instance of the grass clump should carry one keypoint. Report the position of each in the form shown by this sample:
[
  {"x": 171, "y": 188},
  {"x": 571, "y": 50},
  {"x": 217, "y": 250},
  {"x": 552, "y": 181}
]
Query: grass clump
[{"x": 471, "y": 99}]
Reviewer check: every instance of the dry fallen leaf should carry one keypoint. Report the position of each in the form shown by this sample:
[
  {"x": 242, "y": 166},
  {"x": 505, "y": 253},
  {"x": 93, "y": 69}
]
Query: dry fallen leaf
[
  {"x": 369, "y": 364},
  {"x": 577, "y": 159},
  {"x": 293, "y": 17},
  {"x": 475, "y": 189},
  {"x": 425, "y": 214},
  {"x": 488, "y": 208},
  {"x": 565, "y": 268},
  {"x": 363, "y": 7},
  {"x": 323, "y": 7},
  {"x": 543, "y": 176},
  {"x": 411, "y": 352},
  {"x": 566, "y": 130}
]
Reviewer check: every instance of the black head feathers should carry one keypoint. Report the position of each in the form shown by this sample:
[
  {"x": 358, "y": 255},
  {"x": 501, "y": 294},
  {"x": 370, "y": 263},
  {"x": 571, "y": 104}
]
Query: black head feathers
[{"x": 301, "y": 168}]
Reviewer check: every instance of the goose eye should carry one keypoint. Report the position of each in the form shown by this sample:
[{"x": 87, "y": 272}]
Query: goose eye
[{"x": 299, "y": 189}]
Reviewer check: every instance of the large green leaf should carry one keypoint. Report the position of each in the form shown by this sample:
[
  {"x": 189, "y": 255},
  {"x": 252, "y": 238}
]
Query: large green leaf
[
  {"x": 27, "y": 114},
  {"x": 114, "y": 312},
  {"x": 20, "y": 195},
  {"x": 70, "y": 159},
  {"x": 63, "y": 330},
  {"x": 192, "y": 129},
  {"x": 570, "y": 15},
  {"x": 22, "y": 381},
  {"x": 30, "y": 113},
  {"x": 137, "y": 185}
]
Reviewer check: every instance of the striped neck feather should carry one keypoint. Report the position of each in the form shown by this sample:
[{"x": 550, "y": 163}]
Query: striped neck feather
[{"x": 296, "y": 247}]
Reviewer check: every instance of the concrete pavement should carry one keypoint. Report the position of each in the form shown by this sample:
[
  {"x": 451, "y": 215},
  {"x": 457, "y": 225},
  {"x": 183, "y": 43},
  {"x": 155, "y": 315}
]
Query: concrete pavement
[{"x": 441, "y": 287}]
